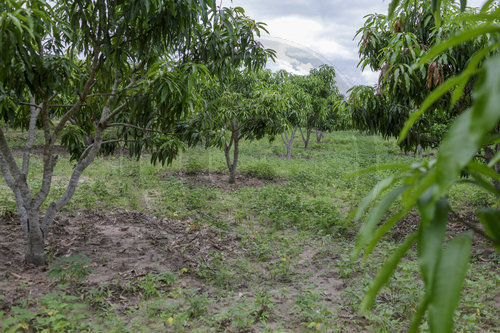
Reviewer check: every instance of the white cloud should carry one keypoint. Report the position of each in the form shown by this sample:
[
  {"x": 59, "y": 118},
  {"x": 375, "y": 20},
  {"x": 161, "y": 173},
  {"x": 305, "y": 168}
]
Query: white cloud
[
  {"x": 326, "y": 27},
  {"x": 310, "y": 33},
  {"x": 370, "y": 77}
]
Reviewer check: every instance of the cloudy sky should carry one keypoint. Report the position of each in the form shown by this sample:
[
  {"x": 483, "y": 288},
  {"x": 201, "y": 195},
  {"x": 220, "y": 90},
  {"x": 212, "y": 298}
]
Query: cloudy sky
[{"x": 324, "y": 28}]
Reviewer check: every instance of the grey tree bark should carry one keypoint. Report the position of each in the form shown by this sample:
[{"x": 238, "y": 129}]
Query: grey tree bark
[
  {"x": 36, "y": 224},
  {"x": 306, "y": 137},
  {"x": 288, "y": 141},
  {"x": 319, "y": 135},
  {"x": 233, "y": 141}
]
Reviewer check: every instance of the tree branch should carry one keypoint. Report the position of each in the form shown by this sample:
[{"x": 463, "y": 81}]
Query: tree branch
[
  {"x": 10, "y": 163},
  {"x": 83, "y": 96},
  {"x": 283, "y": 139},
  {"x": 49, "y": 161},
  {"x": 136, "y": 127},
  {"x": 114, "y": 113},
  {"x": 50, "y": 105},
  {"x": 20, "y": 203},
  {"x": 473, "y": 227},
  {"x": 35, "y": 110}
]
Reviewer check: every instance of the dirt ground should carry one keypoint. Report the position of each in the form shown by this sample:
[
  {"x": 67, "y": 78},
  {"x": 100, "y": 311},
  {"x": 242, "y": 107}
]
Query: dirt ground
[
  {"x": 124, "y": 246},
  {"x": 120, "y": 244}
]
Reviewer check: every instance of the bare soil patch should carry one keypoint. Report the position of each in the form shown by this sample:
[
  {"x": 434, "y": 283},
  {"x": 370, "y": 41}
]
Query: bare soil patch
[
  {"x": 122, "y": 246},
  {"x": 220, "y": 180}
]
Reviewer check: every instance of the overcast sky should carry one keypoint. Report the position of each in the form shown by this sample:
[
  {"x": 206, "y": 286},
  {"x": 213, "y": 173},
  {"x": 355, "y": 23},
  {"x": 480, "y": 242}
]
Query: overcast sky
[{"x": 326, "y": 27}]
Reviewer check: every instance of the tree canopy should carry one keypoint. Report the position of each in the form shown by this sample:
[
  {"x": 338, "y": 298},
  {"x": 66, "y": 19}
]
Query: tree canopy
[
  {"x": 95, "y": 74},
  {"x": 392, "y": 45}
]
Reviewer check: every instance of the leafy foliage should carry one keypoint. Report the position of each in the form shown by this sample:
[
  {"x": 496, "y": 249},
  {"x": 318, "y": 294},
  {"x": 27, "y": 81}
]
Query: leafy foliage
[
  {"x": 425, "y": 185},
  {"x": 392, "y": 44},
  {"x": 98, "y": 74}
]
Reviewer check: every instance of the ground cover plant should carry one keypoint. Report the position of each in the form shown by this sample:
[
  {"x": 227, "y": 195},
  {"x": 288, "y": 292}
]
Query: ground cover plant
[{"x": 178, "y": 248}]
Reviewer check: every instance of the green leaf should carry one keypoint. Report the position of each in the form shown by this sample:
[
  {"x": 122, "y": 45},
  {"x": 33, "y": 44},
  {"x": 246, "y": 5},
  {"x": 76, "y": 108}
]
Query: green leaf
[
  {"x": 409, "y": 202},
  {"x": 455, "y": 40},
  {"x": 392, "y": 7},
  {"x": 482, "y": 169},
  {"x": 490, "y": 218},
  {"x": 431, "y": 99},
  {"x": 407, "y": 82},
  {"x": 390, "y": 166},
  {"x": 471, "y": 70},
  {"x": 463, "y": 5},
  {"x": 419, "y": 314},
  {"x": 435, "y": 5},
  {"x": 386, "y": 272},
  {"x": 494, "y": 160},
  {"x": 485, "y": 113},
  {"x": 448, "y": 280},
  {"x": 465, "y": 136},
  {"x": 375, "y": 215},
  {"x": 380, "y": 187},
  {"x": 430, "y": 239}
]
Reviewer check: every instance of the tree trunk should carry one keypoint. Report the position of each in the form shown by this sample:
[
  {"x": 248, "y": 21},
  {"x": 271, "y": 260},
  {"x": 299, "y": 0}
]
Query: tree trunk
[
  {"x": 490, "y": 154},
  {"x": 308, "y": 137},
  {"x": 35, "y": 246},
  {"x": 289, "y": 142},
  {"x": 235, "y": 139},
  {"x": 420, "y": 151},
  {"x": 319, "y": 135}
]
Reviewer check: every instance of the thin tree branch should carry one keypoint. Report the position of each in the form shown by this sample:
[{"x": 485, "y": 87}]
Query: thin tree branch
[
  {"x": 88, "y": 85},
  {"x": 20, "y": 203},
  {"x": 35, "y": 110},
  {"x": 473, "y": 227},
  {"x": 50, "y": 105},
  {"x": 136, "y": 127},
  {"x": 102, "y": 143},
  {"x": 11, "y": 165},
  {"x": 283, "y": 139},
  {"x": 114, "y": 113},
  {"x": 49, "y": 161}
]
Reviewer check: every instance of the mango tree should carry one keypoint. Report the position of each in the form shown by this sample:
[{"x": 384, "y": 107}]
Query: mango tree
[
  {"x": 293, "y": 105},
  {"x": 95, "y": 74},
  {"x": 246, "y": 106},
  {"x": 321, "y": 86},
  {"x": 391, "y": 45},
  {"x": 425, "y": 185}
]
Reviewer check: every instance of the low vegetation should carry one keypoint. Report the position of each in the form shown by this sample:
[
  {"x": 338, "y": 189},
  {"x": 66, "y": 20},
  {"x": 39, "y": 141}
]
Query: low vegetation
[{"x": 151, "y": 248}]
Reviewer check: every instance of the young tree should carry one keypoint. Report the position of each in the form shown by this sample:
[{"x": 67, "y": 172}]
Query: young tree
[
  {"x": 320, "y": 85},
  {"x": 392, "y": 45},
  {"x": 245, "y": 106},
  {"x": 94, "y": 74},
  {"x": 295, "y": 104}
]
